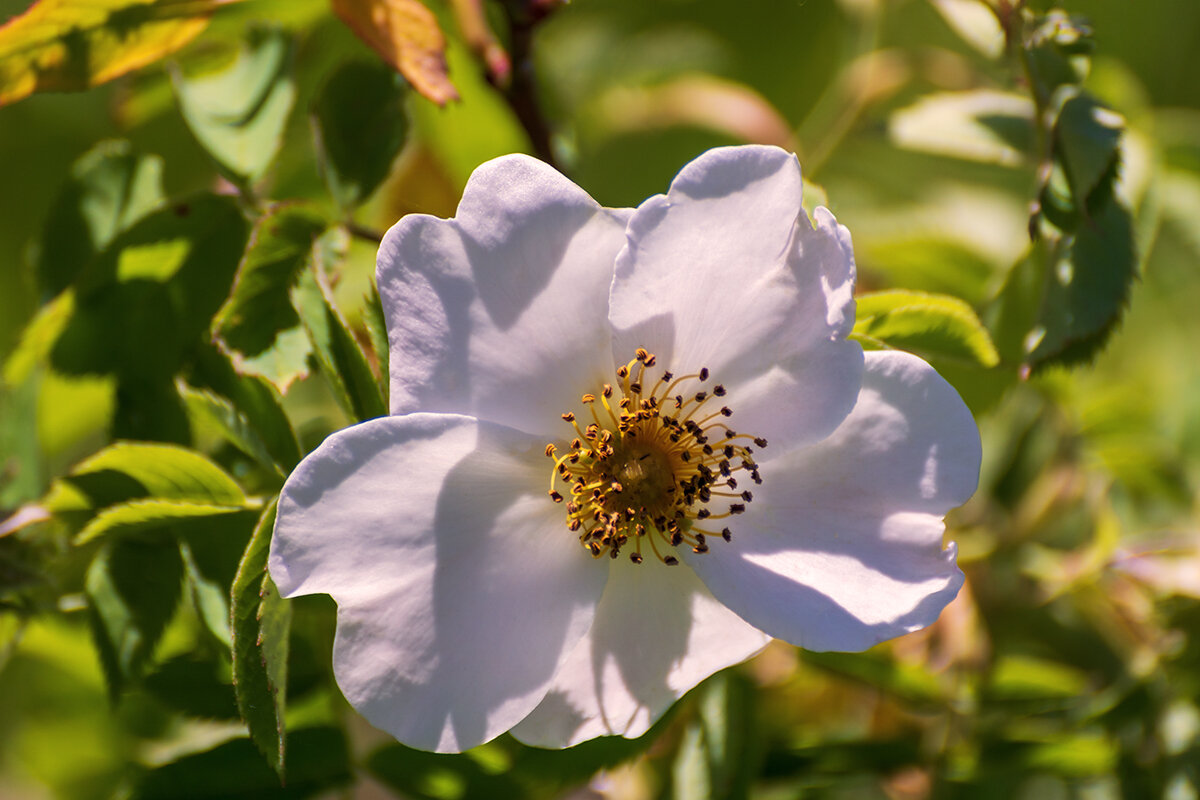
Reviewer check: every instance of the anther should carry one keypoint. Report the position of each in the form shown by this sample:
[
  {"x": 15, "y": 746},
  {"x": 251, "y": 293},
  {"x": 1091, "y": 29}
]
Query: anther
[{"x": 639, "y": 470}]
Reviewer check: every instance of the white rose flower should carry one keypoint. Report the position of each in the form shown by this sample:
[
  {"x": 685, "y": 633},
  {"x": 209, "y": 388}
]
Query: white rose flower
[{"x": 627, "y": 447}]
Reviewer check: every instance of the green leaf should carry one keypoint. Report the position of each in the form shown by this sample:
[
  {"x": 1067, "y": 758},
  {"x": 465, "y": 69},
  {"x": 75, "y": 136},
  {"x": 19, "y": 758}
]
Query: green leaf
[
  {"x": 128, "y": 470},
  {"x": 38, "y": 338},
  {"x": 132, "y": 588},
  {"x": 22, "y": 459},
  {"x": 144, "y": 302},
  {"x": 61, "y": 45},
  {"x": 431, "y": 776},
  {"x": 910, "y": 683},
  {"x": 338, "y": 353},
  {"x": 193, "y": 686},
  {"x": 149, "y": 408},
  {"x": 261, "y": 621},
  {"x": 234, "y": 769},
  {"x": 376, "y": 325},
  {"x": 1058, "y": 50},
  {"x": 715, "y": 758},
  {"x": 211, "y": 412},
  {"x": 238, "y": 114},
  {"x": 929, "y": 324},
  {"x": 210, "y": 599},
  {"x": 359, "y": 123},
  {"x": 110, "y": 187},
  {"x": 258, "y": 324},
  {"x": 254, "y": 398},
  {"x": 931, "y": 264},
  {"x": 1089, "y": 288},
  {"x": 1060, "y": 306},
  {"x": 1087, "y": 136},
  {"x": 140, "y": 516}
]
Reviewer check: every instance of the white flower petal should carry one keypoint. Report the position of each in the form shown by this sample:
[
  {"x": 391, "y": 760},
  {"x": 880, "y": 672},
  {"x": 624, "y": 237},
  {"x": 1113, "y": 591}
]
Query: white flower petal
[
  {"x": 459, "y": 589},
  {"x": 501, "y": 312},
  {"x": 725, "y": 271},
  {"x": 842, "y": 546},
  {"x": 658, "y": 632}
]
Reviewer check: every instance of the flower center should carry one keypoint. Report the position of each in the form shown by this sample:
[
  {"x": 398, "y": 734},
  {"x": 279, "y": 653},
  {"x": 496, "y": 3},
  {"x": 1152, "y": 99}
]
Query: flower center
[{"x": 645, "y": 471}]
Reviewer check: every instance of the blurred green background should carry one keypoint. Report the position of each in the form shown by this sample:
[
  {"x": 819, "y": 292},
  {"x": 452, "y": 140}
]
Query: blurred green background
[{"x": 1069, "y": 667}]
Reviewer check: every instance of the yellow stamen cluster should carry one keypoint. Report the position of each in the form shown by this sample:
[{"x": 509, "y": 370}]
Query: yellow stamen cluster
[{"x": 644, "y": 471}]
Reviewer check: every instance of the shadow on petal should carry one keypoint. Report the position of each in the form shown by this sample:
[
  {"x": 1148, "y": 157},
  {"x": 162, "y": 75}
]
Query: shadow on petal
[{"x": 512, "y": 592}]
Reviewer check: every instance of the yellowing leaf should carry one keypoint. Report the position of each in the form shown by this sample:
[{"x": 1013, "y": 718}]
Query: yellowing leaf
[
  {"x": 406, "y": 35},
  {"x": 66, "y": 45}
]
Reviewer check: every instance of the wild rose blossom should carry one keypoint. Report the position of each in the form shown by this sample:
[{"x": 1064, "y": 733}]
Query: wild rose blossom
[{"x": 626, "y": 447}]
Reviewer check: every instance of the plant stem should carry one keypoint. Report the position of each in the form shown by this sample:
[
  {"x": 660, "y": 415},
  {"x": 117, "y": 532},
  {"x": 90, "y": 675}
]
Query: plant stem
[{"x": 522, "y": 92}]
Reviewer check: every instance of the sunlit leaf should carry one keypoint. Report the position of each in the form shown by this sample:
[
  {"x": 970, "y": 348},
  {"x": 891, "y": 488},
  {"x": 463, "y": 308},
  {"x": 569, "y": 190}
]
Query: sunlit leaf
[
  {"x": 129, "y": 470},
  {"x": 928, "y": 324},
  {"x": 980, "y": 125},
  {"x": 235, "y": 769},
  {"x": 406, "y": 35},
  {"x": 1081, "y": 755},
  {"x": 132, "y": 589},
  {"x": 65, "y": 45},
  {"x": 258, "y": 324},
  {"x": 148, "y": 298},
  {"x": 975, "y": 23},
  {"x": 238, "y": 114},
  {"x": 337, "y": 351},
  {"x": 38, "y": 338},
  {"x": 1025, "y": 677},
  {"x": 110, "y": 187},
  {"x": 138, "y": 516},
  {"x": 261, "y": 621},
  {"x": 360, "y": 126}
]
